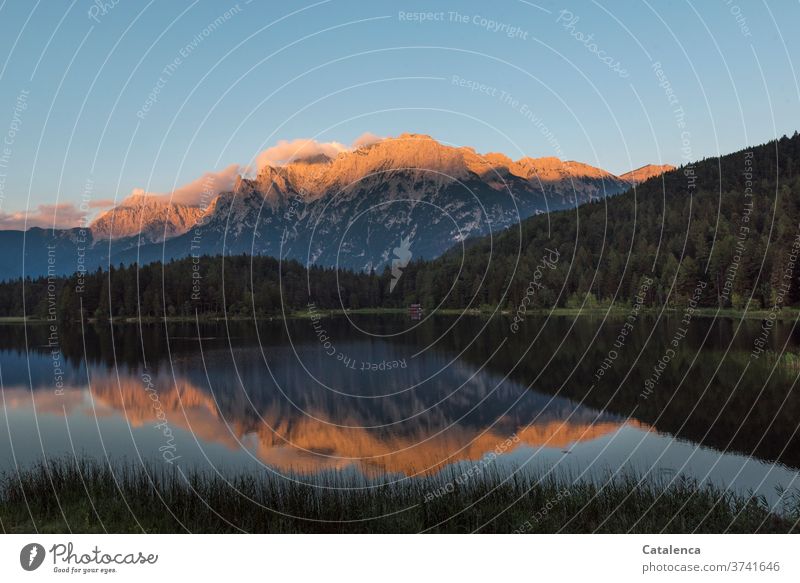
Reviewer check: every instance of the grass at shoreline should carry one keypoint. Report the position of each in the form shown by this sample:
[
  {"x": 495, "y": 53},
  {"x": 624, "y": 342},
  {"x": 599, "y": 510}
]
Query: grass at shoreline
[{"x": 95, "y": 499}]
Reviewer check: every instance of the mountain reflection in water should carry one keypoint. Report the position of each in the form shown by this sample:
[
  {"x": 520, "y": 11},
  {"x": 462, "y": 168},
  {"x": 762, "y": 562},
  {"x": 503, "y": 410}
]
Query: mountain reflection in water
[{"x": 390, "y": 405}]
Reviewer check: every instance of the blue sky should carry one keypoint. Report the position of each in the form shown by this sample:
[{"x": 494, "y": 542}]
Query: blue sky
[{"x": 513, "y": 76}]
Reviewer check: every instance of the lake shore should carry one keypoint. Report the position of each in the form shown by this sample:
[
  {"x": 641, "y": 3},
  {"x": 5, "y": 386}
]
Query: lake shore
[
  {"x": 786, "y": 314},
  {"x": 87, "y": 496}
]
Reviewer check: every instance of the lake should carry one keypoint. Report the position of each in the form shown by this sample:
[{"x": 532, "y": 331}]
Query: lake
[{"x": 390, "y": 398}]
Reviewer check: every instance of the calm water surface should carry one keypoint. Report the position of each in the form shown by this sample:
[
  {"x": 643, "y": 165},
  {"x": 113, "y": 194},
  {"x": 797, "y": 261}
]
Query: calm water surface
[{"x": 390, "y": 398}]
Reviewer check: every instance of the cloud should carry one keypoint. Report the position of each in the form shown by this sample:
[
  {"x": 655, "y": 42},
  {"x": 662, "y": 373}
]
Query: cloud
[
  {"x": 198, "y": 192},
  {"x": 63, "y": 215},
  {"x": 366, "y": 139},
  {"x": 67, "y": 215},
  {"x": 286, "y": 151},
  {"x": 101, "y": 203}
]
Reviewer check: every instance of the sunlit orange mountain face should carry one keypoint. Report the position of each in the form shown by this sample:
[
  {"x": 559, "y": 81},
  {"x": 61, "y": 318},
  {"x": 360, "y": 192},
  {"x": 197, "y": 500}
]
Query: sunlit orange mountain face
[
  {"x": 389, "y": 166},
  {"x": 646, "y": 172}
]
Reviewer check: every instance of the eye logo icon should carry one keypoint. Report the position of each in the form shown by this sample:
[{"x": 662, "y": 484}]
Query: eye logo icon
[{"x": 31, "y": 556}]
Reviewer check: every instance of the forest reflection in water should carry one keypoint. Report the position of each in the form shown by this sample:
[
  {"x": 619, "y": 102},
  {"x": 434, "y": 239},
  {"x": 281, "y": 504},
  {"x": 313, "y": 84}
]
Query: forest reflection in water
[{"x": 389, "y": 398}]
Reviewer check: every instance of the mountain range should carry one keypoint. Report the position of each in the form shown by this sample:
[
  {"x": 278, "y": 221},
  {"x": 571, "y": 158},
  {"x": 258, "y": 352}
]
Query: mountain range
[{"x": 351, "y": 211}]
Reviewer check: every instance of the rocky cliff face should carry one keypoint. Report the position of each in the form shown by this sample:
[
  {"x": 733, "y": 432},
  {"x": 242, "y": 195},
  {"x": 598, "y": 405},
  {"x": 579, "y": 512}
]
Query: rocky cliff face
[
  {"x": 646, "y": 173},
  {"x": 353, "y": 210},
  {"x": 154, "y": 218},
  {"x": 420, "y": 157}
]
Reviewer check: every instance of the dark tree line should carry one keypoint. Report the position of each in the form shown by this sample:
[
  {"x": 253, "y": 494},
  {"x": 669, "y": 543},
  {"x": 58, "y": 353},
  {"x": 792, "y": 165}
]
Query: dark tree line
[
  {"x": 729, "y": 222},
  {"x": 238, "y": 285}
]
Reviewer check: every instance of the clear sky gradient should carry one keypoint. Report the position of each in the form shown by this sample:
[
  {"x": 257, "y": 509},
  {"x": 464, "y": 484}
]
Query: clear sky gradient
[{"x": 657, "y": 82}]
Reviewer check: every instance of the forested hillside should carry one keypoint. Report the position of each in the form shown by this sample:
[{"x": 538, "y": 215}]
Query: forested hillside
[
  {"x": 718, "y": 231},
  {"x": 730, "y": 223}
]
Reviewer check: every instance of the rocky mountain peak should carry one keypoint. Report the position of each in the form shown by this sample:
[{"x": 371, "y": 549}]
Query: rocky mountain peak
[
  {"x": 410, "y": 165},
  {"x": 154, "y": 217},
  {"x": 646, "y": 172}
]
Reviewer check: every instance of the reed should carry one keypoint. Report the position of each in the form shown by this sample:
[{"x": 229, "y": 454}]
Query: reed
[{"x": 85, "y": 496}]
